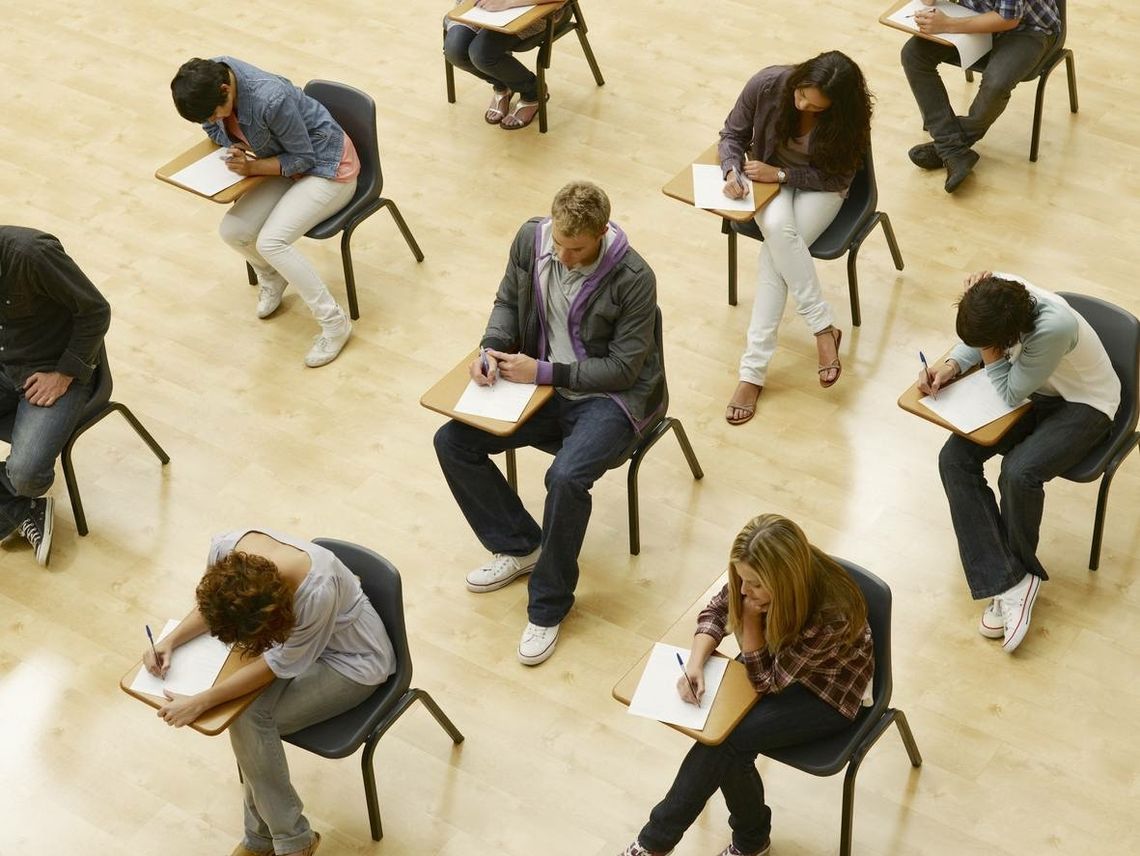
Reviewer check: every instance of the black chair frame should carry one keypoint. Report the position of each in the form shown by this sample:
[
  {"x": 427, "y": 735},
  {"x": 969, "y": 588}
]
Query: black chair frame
[
  {"x": 544, "y": 41},
  {"x": 856, "y": 219}
]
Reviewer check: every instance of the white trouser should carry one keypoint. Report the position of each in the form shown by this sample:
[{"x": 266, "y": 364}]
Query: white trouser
[
  {"x": 263, "y": 224},
  {"x": 790, "y": 223}
]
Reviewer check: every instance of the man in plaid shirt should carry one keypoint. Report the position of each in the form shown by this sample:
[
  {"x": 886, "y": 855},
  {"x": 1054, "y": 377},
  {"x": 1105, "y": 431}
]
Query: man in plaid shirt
[{"x": 1024, "y": 31}]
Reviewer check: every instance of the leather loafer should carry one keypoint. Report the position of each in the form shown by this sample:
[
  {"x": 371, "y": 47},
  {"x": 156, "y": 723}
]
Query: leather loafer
[
  {"x": 958, "y": 168},
  {"x": 925, "y": 156}
]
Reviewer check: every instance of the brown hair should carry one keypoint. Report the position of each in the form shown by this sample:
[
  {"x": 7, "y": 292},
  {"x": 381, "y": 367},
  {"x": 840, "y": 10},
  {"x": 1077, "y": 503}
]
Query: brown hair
[
  {"x": 581, "y": 208},
  {"x": 801, "y": 578},
  {"x": 245, "y": 602},
  {"x": 995, "y": 313}
]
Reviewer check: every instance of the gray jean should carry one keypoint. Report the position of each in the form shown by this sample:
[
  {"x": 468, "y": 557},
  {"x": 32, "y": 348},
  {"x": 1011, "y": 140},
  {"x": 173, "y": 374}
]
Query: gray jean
[
  {"x": 1014, "y": 55},
  {"x": 273, "y": 818}
]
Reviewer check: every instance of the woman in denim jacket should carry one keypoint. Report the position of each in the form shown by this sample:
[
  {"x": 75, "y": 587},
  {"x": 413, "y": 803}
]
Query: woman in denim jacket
[{"x": 272, "y": 128}]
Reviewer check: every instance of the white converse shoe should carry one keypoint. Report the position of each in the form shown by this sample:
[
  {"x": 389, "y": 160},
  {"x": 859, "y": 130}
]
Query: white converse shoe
[
  {"x": 1017, "y": 604},
  {"x": 327, "y": 347},
  {"x": 537, "y": 644},
  {"x": 992, "y": 625},
  {"x": 500, "y": 571},
  {"x": 269, "y": 296}
]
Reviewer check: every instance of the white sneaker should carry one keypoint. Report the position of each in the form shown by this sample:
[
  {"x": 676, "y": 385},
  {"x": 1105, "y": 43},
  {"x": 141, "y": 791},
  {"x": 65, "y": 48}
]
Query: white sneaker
[
  {"x": 992, "y": 625},
  {"x": 537, "y": 644},
  {"x": 327, "y": 348},
  {"x": 269, "y": 296},
  {"x": 500, "y": 571},
  {"x": 1017, "y": 604}
]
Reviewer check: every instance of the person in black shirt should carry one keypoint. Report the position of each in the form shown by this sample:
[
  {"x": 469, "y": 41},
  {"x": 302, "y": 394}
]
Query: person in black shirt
[{"x": 52, "y": 323}]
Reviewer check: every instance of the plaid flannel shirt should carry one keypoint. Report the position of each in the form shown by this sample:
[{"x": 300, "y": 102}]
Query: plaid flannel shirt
[{"x": 1034, "y": 14}]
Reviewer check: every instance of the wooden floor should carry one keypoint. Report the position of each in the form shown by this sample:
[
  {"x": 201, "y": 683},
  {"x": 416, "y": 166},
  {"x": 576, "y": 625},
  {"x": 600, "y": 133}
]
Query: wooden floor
[{"x": 1031, "y": 753}]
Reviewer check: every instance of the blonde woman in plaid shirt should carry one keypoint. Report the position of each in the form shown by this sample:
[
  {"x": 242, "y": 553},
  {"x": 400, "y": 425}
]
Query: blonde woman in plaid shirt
[{"x": 801, "y": 622}]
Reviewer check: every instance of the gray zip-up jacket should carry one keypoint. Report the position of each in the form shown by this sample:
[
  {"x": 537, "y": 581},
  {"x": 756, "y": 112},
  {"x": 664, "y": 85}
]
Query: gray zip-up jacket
[{"x": 611, "y": 323}]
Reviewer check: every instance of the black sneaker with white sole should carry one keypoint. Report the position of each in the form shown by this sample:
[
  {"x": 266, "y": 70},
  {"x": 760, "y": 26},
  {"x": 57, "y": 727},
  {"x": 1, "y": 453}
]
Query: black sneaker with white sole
[{"x": 37, "y": 527}]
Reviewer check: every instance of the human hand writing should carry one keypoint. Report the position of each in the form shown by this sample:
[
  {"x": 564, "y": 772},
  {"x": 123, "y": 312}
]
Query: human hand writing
[
  {"x": 160, "y": 665},
  {"x": 693, "y": 679},
  {"x": 929, "y": 384},
  {"x": 484, "y": 378},
  {"x": 931, "y": 21}
]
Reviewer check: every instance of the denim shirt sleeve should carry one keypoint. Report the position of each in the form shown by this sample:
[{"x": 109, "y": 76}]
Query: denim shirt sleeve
[
  {"x": 216, "y": 131},
  {"x": 287, "y": 125}
]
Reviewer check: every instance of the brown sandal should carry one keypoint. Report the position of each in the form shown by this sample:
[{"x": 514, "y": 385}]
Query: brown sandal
[
  {"x": 834, "y": 365},
  {"x": 513, "y": 121},
  {"x": 749, "y": 410},
  {"x": 500, "y": 106}
]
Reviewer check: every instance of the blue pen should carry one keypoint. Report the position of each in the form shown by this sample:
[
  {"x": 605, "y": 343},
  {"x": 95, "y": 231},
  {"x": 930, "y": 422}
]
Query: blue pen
[
  {"x": 926, "y": 368},
  {"x": 150, "y": 636},
  {"x": 692, "y": 689}
]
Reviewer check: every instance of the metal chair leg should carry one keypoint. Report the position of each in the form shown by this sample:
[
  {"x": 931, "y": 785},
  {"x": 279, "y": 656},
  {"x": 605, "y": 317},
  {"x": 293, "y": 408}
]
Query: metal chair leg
[
  {"x": 893, "y": 244},
  {"x": 73, "y": 488},
  {"x": 908, "y": 739},
  {"x": 1071, "y": 74},
  {"x": 582, "y": 29},
  {"x": 853, "y": 283},
  {"x": 449, "y": 77},
  {"x": 145, "y": 435},
  {"x": 632, "y": 502},
  {"x": 1038, "y": 108},
  {"x": 403, "y": 227},
  {"x": 445, "y": 723},
  {"x": 250, "y": 274},
  {"x": 512, "y": 470},
  {"x": 349, "y": 276},
  {"x": 370, "y": 797},
  {"x": 731, "y": 265}
]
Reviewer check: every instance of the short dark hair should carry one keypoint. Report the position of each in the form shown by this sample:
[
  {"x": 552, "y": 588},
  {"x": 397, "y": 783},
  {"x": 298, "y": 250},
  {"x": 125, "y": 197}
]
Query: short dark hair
[
  {"x": 197, "y": 88},
  {"x": 995, "y": 313},
  {"x": 245, "y": 602}
]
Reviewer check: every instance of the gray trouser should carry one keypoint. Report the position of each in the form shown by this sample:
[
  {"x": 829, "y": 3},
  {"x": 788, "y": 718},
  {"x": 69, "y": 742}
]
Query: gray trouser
[
  {"x": 273, "y": 818},
  {"x": 1013, "y": 56}
]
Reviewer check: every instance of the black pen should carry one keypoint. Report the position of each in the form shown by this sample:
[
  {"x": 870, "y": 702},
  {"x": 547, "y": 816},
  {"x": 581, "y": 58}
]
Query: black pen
[
  {"x": 685, "y": 672},
  {"x": 154, "y": 650}
]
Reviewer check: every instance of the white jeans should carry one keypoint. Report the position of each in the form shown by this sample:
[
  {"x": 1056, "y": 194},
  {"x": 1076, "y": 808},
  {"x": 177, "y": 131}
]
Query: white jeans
[
  {"x": 263, "y": 224},
  {"x": 790, "y": 223}
]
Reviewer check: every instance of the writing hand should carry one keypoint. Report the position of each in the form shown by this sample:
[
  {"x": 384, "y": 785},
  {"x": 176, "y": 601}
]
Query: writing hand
[
  {"x": 734, "y": 187},
  {"x": 160, "y": 666},
  {"x": 44, "y": 389},
  {"x": 181, "y": 710},
  {"x": 938, "y": 378},
  {"x": 518, "y": 368},
  {"x": 931, "y": 21},
  {"x": 693, "y": 676},
  {"x": 476, "y": 369}
]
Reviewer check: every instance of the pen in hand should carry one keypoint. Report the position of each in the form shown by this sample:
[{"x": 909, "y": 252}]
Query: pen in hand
[
  {"x": 150, "y": 636},
  {"x": 688, "y": 681}
]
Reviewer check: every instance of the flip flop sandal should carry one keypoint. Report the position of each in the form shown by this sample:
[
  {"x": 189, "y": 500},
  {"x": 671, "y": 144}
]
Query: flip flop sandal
[
  {"x": 513, "y": 117},
  {"x": 749, "y": 412},
  {"x": 500, "y": 107},
  {"x": 834, "y": 365}
]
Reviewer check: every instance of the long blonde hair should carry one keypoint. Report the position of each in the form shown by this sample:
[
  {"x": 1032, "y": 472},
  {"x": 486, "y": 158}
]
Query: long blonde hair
[{"x": 801, "y": 579}]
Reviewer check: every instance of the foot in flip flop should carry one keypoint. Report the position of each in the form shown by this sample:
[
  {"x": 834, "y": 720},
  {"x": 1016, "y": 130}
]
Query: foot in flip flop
[
  {"x": 742, "y": 406},
  {"x": 827, "y": 342},
  {"x": 522, "y": 115},
  {"x": 500, "y": 106}
]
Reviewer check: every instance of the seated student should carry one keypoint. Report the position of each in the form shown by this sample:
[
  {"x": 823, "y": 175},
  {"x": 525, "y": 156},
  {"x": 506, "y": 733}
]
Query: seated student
[
  {"x": 576, "y": 311},
  {"x": 801, "y": 622},
  {"x": 1033, "y": 346},
  {"x": 807, "y": 128},
  {"x": 52, "y": 323},
  {"x": 487, "y": 54},
  {"x": 323, "y": 650},
  {"x": 1023, "y": 32},
  {"x": 272, "y": 128}
]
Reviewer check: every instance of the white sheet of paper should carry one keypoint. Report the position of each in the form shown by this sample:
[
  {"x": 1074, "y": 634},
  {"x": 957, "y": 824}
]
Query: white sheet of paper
[
  {"x": 971, "y": 46},
  {"x": 708, "y": 190},
  {"x": 656, "y": 695},
  {"x": 501, "y": 400},
  {"x": 193, "y": 668},
  {"x": 475, "y": 15},
  {"x": 208, "y": 175},
  {"x": 969, "y": 403}
]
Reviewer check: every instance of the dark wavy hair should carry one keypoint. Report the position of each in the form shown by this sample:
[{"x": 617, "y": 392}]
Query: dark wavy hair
[
  {"x": 245, "y": 602},
  {"x": 843, "y": 132},
  {"x": 995, "y": 313},
  {"x": 197, "y": 88}
]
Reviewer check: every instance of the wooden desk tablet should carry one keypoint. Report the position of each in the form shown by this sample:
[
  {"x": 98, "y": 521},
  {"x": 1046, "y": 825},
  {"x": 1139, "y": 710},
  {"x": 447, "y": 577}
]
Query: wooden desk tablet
[
  {"x": 680, "y": 187},
  {"x": 196, "y": 153},
  {"x": 443, "y": 397},
  {"x": 215, "y": 720},
  {"x": 514, "y": 27},
  {"x": 987, "y": 435},
  {"x": 912, "y": 31}
]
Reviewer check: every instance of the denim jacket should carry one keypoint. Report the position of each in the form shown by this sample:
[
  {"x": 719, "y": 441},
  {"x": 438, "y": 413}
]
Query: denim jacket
[{"x": 278, "y": 119}]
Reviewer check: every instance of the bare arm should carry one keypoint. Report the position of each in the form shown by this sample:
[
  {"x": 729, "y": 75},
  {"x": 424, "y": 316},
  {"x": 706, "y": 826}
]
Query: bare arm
[
  {"x": 934, "y": 21},
  {"x": 182, "y": 710},
  {"x": 191, "y": 627}
]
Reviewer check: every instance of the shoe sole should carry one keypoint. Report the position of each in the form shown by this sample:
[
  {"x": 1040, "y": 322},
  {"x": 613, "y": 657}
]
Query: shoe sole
[
  {"x": 481, "y": 588},
  {"x": 339, "y": 351},
  {"x": 990, "y": 632},
  {"x": 49, "y": 524},
  {"x": 541, "y": 657},
  {"x": 1022, "y": 626}
]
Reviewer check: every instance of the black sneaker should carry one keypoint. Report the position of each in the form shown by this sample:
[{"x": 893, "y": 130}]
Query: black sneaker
[
  {"x": 37, "y": 526},
  {"x": 958, "y": 169},
  {"x": 925, "y": 156}
]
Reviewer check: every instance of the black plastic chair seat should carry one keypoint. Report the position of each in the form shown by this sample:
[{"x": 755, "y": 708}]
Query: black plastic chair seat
[
  {"x": 828, "y": 756},
  {"x": 342, "y": 735}
]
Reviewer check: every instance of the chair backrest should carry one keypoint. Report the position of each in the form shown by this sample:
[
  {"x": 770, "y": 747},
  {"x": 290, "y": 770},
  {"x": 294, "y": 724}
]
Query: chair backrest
[
  {"x": 381, "y": 583},
  {"x": 355, "y": 112},
  {"x": 565, "y": 20},
  {"x": 878, "y": 596},
  {"x": 860, "y": 204},
  {"x": 659, "y": 340},
  {"x": 1119, "y": 332}
]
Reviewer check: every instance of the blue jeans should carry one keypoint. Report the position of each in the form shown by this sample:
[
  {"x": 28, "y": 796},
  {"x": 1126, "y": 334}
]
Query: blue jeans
[
  {"x": 273, "y": 811},
  {"x": 38, "y": 436},
  {"x": 1013, "y": 56},
  {"x": 998, "y": 545},
  {"x": 487, "y": 55},
  {"x": 793, "y": 716},
  {"x": 595, "y": 434}
]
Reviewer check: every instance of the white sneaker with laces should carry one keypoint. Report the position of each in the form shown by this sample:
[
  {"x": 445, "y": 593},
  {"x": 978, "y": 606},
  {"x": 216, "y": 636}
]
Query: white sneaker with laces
[
  {"x": 992, "y": 625},
  {"x": 537, "y": 644},
  {"x": 635, "y": 849},
  {"x": 327, "y": 346},
  {"x": 500, "y": 571},
  {"x": 1017, "y": 604},
  {"x": 269, "y": 296}
]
